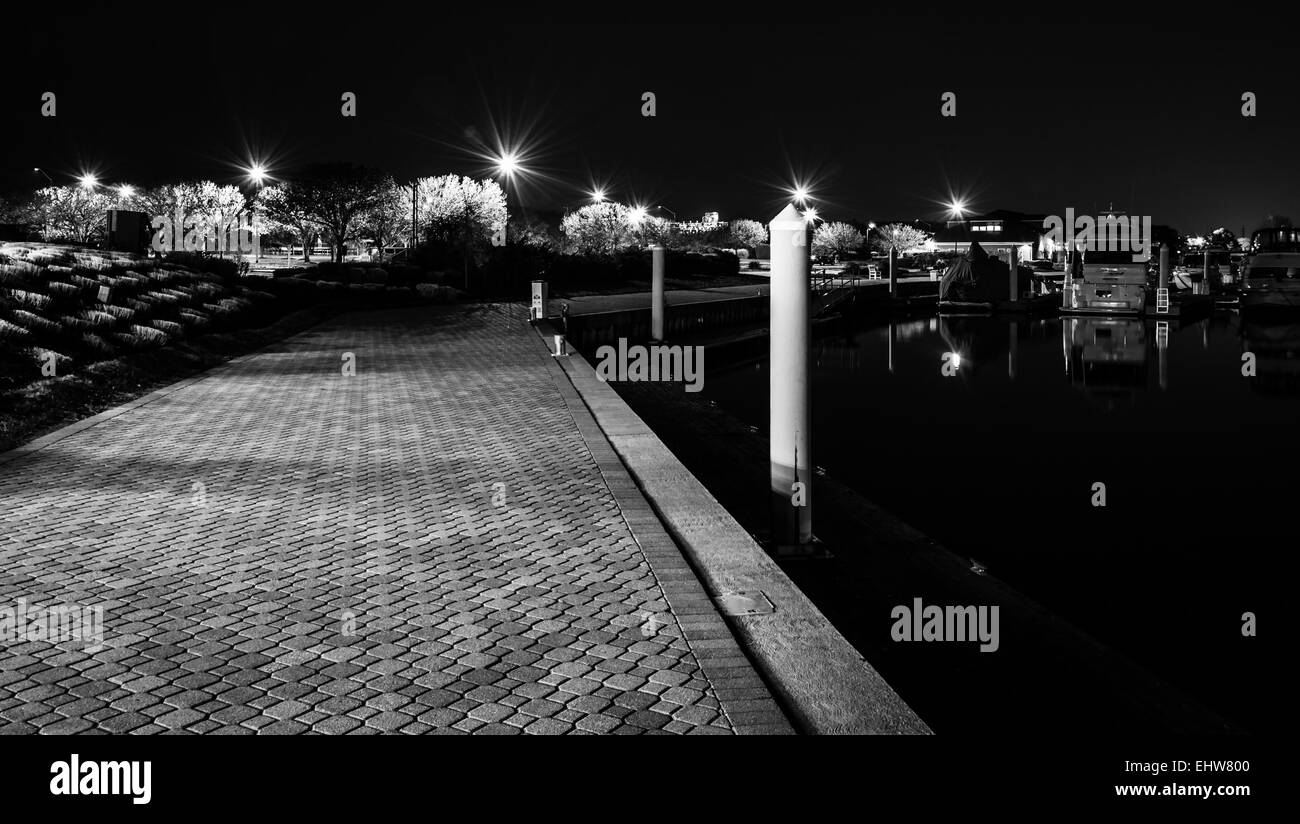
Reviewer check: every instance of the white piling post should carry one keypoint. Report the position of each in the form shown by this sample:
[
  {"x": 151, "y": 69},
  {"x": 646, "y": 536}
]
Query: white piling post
[
  {"x": 891, "y": 347},
  {"x": 1162, "y": 287},
  {"x": 788, "y": 399},
  {"x": 1013, "y": 349},
  {"x": 1205, "y": 277},
  {"x": 657, "y": 293},
  {"x": 893, "y": 278},
  {"x": 1013, "y": 265}
]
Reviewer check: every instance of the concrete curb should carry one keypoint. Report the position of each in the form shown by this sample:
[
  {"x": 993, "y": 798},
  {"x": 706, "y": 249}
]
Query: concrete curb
[{"x": 823, "y": 682}]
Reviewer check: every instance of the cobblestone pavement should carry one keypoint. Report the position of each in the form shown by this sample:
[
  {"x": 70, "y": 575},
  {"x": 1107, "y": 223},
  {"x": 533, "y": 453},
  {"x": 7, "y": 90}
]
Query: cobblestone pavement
[{"x": 428, "y": 545}]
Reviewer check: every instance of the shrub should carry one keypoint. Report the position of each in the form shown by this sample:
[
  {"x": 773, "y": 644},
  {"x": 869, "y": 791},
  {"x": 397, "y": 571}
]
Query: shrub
[
  {"x": 97, "y": 344},
  {"x": 12, "y": 331},
  {"x": 435, "y": 292},
  {"x": 755, "y": 266},
  {"x": 33, "y": 322},
  {"x": 225, "y": 268},
  {"x": 34, "y": 300},
  {"x": 404, "y": 274}
]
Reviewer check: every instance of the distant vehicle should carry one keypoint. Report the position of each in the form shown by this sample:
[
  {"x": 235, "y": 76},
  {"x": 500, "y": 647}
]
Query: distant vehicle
[{"x": 1271, "y": 280}]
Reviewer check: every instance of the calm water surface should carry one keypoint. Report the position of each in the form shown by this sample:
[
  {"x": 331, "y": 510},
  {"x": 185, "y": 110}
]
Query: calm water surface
[{"x": 998, "y": 461}]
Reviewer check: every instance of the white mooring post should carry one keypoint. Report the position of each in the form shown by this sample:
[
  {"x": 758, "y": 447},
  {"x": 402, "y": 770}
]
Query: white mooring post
[
  {"x": 1205, "y": 277},
  {"x": 1162, "y": 288},
  {"x": 790, "y": 452},
  {"x": 1013, "y": 348},
  {"x": 1013, "y": 266},
  {"x": 657, "y": 293},
  {"x": 893, "y": 278}
]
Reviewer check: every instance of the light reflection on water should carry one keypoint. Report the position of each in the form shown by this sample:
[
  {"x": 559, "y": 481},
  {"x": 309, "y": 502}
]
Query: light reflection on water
[{"x": 997, "y": 460}]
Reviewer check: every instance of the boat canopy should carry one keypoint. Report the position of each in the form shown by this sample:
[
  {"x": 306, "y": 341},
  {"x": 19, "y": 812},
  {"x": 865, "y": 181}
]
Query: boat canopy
[{"x": 975, "y": 277}]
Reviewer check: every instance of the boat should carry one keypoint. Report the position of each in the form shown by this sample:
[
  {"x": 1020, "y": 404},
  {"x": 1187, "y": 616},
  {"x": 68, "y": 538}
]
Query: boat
[
  {"x": 1271, "y": 278},
  {"x": 979, "y": 284},
  {"x": 1111, "y": 280},
  {"x": 1190, "y": 271}
]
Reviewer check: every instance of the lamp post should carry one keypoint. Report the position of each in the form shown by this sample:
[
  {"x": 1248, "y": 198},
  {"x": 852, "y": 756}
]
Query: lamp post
[
  {"x": 42, "y": 171},
  {"x": 956, "y": 210},
  {"x": 258, "y": 176},
  {"x": 415, "y": 208},
  {"x": 507, "y": 165}
]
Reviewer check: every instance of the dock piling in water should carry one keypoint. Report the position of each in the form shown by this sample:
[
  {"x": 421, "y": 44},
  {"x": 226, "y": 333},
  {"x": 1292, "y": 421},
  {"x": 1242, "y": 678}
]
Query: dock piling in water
[
  {"x": 790, "y": 452},
  {"x": 657, "y": 292}
]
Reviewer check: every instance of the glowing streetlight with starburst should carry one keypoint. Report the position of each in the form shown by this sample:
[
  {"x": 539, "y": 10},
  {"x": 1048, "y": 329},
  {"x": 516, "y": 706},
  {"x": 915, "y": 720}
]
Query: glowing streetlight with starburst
[
  {"x": 598, "y": 196},
  {"x": 88, "y": 181},
  {"x": 257, "y": 174},
  {"x": 508, "y": 164},
  {"x": 636, "y": 215}
]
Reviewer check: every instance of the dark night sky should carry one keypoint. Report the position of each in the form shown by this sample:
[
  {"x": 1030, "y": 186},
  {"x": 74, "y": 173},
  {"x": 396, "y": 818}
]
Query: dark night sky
[{"x": 1050, "y": 113}]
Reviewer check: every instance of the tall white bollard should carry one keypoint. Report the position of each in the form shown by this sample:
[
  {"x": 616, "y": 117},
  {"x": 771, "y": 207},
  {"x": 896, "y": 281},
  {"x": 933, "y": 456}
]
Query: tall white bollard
[
  {"x": 1013, "y": 264},
  {"x": 891, "y": 346},
  {"x": 1163, "y": 283},
  {"x": 657, "y": 292},
  {"x": 788, "y": 398},
  {"x": 893, "y": 277},
  {"x": 1013, "y": 349},
  {"x": 1205, "y": 277}
]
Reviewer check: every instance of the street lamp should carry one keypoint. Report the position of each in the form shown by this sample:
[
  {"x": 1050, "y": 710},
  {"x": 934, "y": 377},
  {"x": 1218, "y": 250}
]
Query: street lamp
[
  {"x": 957, "y": 210},
  {"x": 507, "y": 165},
  {"x": 89, "y": 181},
  {"x": 257, "y": 174},
  {"x": 598, "y": 196},
  {"x": 42, "y": 171}
]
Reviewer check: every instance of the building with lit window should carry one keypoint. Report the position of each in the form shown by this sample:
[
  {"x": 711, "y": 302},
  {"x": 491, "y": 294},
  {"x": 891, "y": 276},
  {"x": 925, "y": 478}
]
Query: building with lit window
[{"x": 998, "y": 231}]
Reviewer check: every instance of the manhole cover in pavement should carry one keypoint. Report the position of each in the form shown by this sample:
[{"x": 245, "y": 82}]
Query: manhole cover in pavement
[{"x": 751, "y": 602}]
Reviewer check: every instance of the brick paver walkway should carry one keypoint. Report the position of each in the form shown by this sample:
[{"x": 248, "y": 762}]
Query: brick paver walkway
[{"x": 425, "y": 546}]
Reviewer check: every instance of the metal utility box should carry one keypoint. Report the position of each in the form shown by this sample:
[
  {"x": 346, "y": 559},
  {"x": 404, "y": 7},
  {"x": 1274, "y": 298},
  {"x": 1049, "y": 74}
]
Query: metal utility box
[{"x": 128, "y": 231}]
